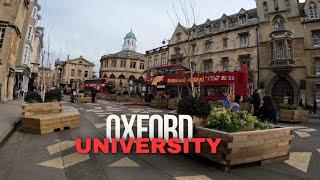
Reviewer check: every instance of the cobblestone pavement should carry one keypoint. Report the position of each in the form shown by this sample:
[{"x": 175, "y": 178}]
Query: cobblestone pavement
[{"x": 53, "y": 156}]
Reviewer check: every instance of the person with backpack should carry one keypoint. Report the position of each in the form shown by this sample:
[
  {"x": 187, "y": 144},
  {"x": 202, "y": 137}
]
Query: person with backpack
[{"x": 267, "y": 111}]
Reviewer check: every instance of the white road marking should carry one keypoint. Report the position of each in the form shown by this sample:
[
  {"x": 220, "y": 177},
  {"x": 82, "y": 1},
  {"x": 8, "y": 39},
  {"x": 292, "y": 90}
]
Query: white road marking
[
  {"x": 302, "y": 134},
  {"x": 61, "y": 146},
  {"x": 318, "y": 150},
  {"x": 65, "y": 161},
  {"x": 155, "y": 111},
  {"x": 200, "y": 177},
  {"x": 308, "y": 130},
  {"x": 124, "y": 162},
  {"x": 100, "y": 125},
  {"x": 299, "y": 160}
]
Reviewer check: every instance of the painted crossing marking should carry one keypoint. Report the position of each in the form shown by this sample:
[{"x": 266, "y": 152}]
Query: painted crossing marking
[
  {"x": 200, "y": 177},
  {"x": 299, "y": 160},
  {"x": 65, "y": 161},
  {"x": 124, "y": 162},
  {"x": 61, "y": 146},
  {"x": 302, "y": 134}
]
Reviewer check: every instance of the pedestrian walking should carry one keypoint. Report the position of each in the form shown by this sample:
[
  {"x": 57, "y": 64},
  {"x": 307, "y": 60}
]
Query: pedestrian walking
[
  {"x": 256, "y": 102},
  {"x": 93, "y": 94},
  {"x": 268, "y": 111}
]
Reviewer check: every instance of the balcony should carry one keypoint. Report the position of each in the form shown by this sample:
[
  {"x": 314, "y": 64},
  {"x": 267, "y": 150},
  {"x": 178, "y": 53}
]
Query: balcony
[
  {"x": 281, "y": 34},
  {"x": 282, "y": 60}
]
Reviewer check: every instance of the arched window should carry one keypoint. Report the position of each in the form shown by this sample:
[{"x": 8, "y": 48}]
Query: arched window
[
  {"x": 112, "y": 76},
  {"x": 279, "y": 24},
  {"x": 72, "y": 72},
  {"x": 313, "y": 11},
  {"x": 265, "y": 7},
  {"x": 132, "y": 77},
  {"x": 122, "y": 76}
]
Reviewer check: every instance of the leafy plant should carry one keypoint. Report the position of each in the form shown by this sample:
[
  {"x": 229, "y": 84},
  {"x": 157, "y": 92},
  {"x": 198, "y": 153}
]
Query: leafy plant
[
  {"x": 33, "y": 97},
  {"x": 53, "y": 95},
  {"x": 223, "y": 119},
  {"x": 287, "y": 106},
  {"x": 194, "y": 107}
]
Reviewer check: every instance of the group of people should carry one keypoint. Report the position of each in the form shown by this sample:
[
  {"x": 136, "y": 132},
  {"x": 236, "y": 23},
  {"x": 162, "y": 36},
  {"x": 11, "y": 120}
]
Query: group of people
[{"x": 265, "y": 111}]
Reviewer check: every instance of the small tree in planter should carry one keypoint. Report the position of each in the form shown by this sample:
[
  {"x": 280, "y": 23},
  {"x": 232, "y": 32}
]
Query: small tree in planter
[{"x": 33, "y": 97}]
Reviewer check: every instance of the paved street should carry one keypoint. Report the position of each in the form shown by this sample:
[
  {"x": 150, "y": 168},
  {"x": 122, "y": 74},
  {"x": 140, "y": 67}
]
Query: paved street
[{"x": 53, "y": 156}]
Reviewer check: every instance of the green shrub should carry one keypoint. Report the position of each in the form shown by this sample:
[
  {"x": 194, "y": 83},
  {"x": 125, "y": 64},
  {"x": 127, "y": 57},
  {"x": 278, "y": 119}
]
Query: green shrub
[
  {"x": 223, "y": 119},
  {"x": 287, "y": 106},
  {"x": 33, "y": 97},
  {"x": 194, "y": 107},
  {"x": 53, "y": 95}
]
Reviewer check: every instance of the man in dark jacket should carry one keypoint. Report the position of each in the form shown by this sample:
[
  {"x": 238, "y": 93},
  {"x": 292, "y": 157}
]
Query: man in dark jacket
[
  {"x": 93, "y": 94},
  {"x": 256, "y": 101}
]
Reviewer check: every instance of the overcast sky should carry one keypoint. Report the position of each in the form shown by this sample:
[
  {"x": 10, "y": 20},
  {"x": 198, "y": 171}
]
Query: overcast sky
[{"x": 97, "y": 27}]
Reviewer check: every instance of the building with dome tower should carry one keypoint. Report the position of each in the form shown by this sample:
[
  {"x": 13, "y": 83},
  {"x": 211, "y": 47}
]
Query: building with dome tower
[{"x": 125, "y": 67}]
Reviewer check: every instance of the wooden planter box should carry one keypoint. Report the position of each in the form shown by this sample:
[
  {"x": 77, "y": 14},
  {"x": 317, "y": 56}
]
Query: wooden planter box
[
  {"x": 172, "y": 103},
  {"x": 264, "y": 146},
  {"x": 294, "y": 115},
  {"x": 44, "y": 118},
  {"x": 111, "y": 97},
  {"x": 101, "y": 96},
  {"x": 84, "y": 99},
  {"x": 40, "y": 108},
  {"x": 122, "y": 98},
  {"x": 134, "y": 100},
  {"x": 159, "y": 103}
]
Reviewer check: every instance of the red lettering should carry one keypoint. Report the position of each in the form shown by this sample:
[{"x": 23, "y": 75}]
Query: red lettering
[
  {"x": 158, "y": 144},
  {"x": 126, "y": 148},
  {"x": 197, "y": 142},
  {"x": 186, "y": 146},
  {"x": 87, "y": 148},
  {"x": 174, "y": 146},
  {"x": 114, "y": 146},
  {"x": 98, "y": 145},
  {"x": 142, "y": 145},
  {"x": 214, "y": 144}
]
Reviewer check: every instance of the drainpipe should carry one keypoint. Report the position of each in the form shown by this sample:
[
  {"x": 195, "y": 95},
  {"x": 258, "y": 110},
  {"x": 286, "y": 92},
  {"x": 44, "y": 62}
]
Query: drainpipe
[{"x": 258, "y": 56}]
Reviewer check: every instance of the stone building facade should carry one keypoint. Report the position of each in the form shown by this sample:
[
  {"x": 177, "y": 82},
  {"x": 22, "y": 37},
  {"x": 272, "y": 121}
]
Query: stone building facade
[
  {"x": 290, "y": 49},
  {"x": 13, "y": 15},
  {"x": 157, "y": 57},
  {"x": 26, "y": 48},
  {"x": 72, "y": 72},
  {"x": 279, "y": 41},
  {"x": 125, "y": 66}
]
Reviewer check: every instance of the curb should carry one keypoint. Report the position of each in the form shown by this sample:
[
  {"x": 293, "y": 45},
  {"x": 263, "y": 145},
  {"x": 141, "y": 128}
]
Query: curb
[{"x": 7, "y": 134}]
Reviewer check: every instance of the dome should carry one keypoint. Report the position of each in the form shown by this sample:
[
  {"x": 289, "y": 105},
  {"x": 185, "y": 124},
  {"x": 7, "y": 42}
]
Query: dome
[{"x": 130, "y": 35}]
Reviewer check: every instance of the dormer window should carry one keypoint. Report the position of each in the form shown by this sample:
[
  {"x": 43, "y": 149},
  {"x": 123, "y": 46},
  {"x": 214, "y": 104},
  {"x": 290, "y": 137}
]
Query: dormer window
[
  {"x": 313, "y": 11},
  {"x": 209, "y": 29},
  {"x": 178, "y": 36},
  {"x": 287, "y": 4},
  {"x": 276, "y": 5},
  {"x": 265, "y": 7},
  {"x": 243, "y": 19}
]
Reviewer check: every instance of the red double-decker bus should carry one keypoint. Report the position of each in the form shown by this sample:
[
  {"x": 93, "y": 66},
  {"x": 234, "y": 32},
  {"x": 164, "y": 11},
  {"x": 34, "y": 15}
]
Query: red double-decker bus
[
  {"x": 175, "y": 80},
  {"x": 103, "y": 85}
]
